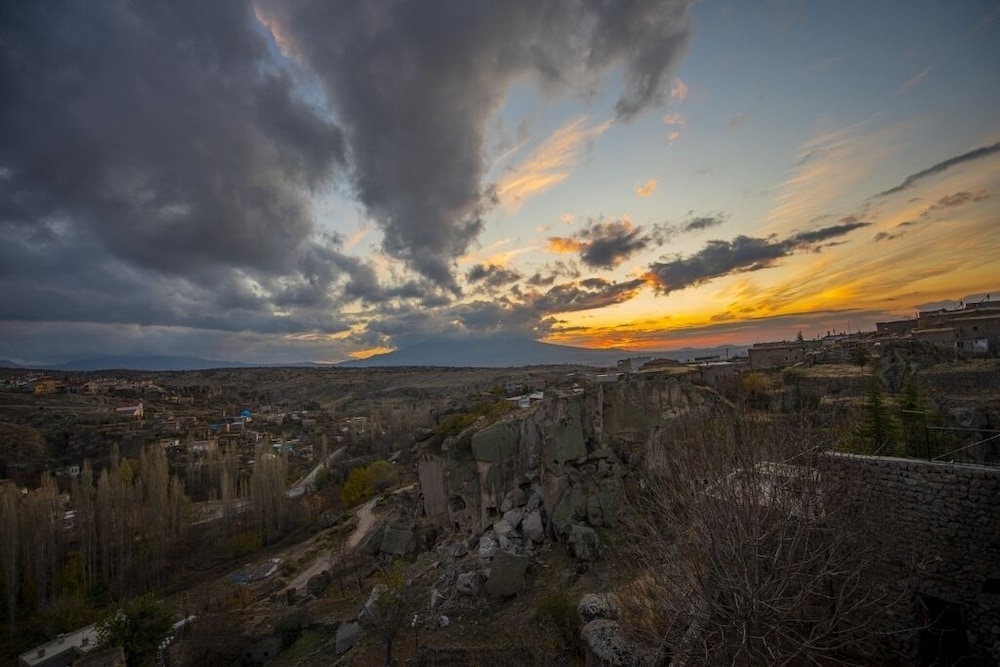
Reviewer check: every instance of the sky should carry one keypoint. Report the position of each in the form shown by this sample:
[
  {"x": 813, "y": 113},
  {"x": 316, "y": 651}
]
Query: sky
[{"x": 291, "y": 180}]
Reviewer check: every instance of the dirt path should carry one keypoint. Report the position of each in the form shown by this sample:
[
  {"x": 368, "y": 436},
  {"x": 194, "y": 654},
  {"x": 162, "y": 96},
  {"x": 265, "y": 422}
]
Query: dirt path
[{"x": 366, "y": 521}]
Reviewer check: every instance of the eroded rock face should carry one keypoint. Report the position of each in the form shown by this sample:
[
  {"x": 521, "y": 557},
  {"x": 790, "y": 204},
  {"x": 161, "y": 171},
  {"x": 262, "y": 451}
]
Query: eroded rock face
[{"x": 540, "y": 472}]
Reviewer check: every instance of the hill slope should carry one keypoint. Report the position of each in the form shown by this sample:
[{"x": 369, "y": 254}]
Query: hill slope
[{"x": 491, "y": 353}]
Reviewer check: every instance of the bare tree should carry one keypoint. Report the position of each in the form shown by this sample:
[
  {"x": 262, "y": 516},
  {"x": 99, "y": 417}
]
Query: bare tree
[
  {"x": 10, "y": 550},
  {"x": 743, "y": 556},
  {"x": 82, "y": 495},
  {"x": 391, "y": 606}
]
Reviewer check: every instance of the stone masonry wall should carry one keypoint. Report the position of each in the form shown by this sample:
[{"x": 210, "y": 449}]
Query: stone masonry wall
[{"x": 941, "y": 526}]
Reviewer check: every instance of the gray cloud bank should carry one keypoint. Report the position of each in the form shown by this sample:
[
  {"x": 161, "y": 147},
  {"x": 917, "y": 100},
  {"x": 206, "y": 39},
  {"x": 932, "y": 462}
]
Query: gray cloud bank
[
  {"x": 740, "y": 255},
  {"x": 414, "y": 84},
  {"x": 158, "y": 162},
  {"x": 909, "y": 181}
]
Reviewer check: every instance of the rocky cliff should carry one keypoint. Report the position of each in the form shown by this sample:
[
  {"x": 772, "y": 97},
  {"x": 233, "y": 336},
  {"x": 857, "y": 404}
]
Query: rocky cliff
[{"x": 556, "y": 470}]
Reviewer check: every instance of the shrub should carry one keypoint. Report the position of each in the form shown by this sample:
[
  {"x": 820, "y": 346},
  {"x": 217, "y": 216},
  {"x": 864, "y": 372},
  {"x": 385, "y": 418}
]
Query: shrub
[{"x": 363, "y": 483}]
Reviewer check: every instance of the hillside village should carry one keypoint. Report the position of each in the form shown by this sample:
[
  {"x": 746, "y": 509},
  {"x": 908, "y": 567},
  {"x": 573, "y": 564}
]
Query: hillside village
[{"x": 289, "y": 516}]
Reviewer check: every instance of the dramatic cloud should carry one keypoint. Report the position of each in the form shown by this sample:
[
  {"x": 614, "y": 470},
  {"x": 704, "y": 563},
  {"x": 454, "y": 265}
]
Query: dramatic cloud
[
  {"x": 741, "y": 255},
  {"x": 955, "y": 200},
  {"x": 156, "y": 172},
  {"x": 976, "y": 154},
  {"x": 528, "y": 314},
  {"x": 491, "y": 275},
  {"x": 603, "y": 244},
  {"x": 414, "y": 84},
  {"x": 645, "y": 190},
  {"x": 606, "y": 244},
  {"x": 702, "y": 222},
  {"x": 184, "y": 153}
]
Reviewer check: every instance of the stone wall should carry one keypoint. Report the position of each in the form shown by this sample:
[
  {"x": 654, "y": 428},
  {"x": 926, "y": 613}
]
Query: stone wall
[{"x": 940, "y": 524}]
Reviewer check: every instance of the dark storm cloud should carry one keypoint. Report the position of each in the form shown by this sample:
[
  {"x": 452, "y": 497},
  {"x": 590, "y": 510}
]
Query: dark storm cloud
[
  {"x": 824, "y": 233},
  {"x": 523, "y": 314},
  {"x": 415, "y": 82},
  {"x": 155, "y": 171},
  {"x": 491, "y": 275},
  {"x": 976, "y": 154},
  {"x": 607, "y": 244},
  {"x": 703, "y": 222},
  {"x": 741, "y": 255},
  {"x": 153, "y": 127}
]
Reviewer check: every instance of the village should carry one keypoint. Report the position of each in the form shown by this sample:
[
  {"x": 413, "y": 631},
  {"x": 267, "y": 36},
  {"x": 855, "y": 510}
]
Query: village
[{"x": 262, "y": 458}]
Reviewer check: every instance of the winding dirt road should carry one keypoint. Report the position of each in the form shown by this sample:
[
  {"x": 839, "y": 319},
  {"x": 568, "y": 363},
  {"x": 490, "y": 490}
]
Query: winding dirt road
[{"x": 326, "y": 561}]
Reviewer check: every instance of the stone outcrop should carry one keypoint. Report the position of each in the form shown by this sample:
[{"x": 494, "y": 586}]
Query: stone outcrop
[
  {"x": 553, "y": 472},
  {"x": 606, "y": 646},
  {"x": 597, "y": 605},
  {"x": 575, "y": 444}
]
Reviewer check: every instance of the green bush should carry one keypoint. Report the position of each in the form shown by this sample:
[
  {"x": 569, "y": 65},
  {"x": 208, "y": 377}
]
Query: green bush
[{"x": 363, "y": 483}]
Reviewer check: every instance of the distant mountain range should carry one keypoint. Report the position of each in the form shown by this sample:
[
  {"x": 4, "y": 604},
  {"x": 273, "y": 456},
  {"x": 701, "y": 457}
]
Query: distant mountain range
[
  {"x": 481, "y": 353},
  {"x": 501, "y": 352},
  {"x": 490, "y": 353}
]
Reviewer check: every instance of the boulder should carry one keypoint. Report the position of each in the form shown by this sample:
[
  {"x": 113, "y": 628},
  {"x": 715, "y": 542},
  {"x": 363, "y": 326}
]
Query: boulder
[
  {"x": 502, "y": 528},
  {"x": 468, "y": 583},
  {"x": 347, "y": 636},
  {"x": 583, "y": 542},
  {"x": 487, "y": 547},
  {"x": 515, "y": 498},
  {"x": 513, "y": 517},
  {"x": 397, "y": 542},
  {"x": 532, "y": 526},
  {"x": 597, "y": 605},
  {"x": 606, "y": 645},
  {"x": 572, "y": 505},
  {"x": 437, "y": 599},
  {"x": 507, "y": 574}
]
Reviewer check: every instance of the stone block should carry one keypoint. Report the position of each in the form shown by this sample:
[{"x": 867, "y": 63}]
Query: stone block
[
  {"x": 397, "y": 542},
  {"x": 507, "y": 574}
]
